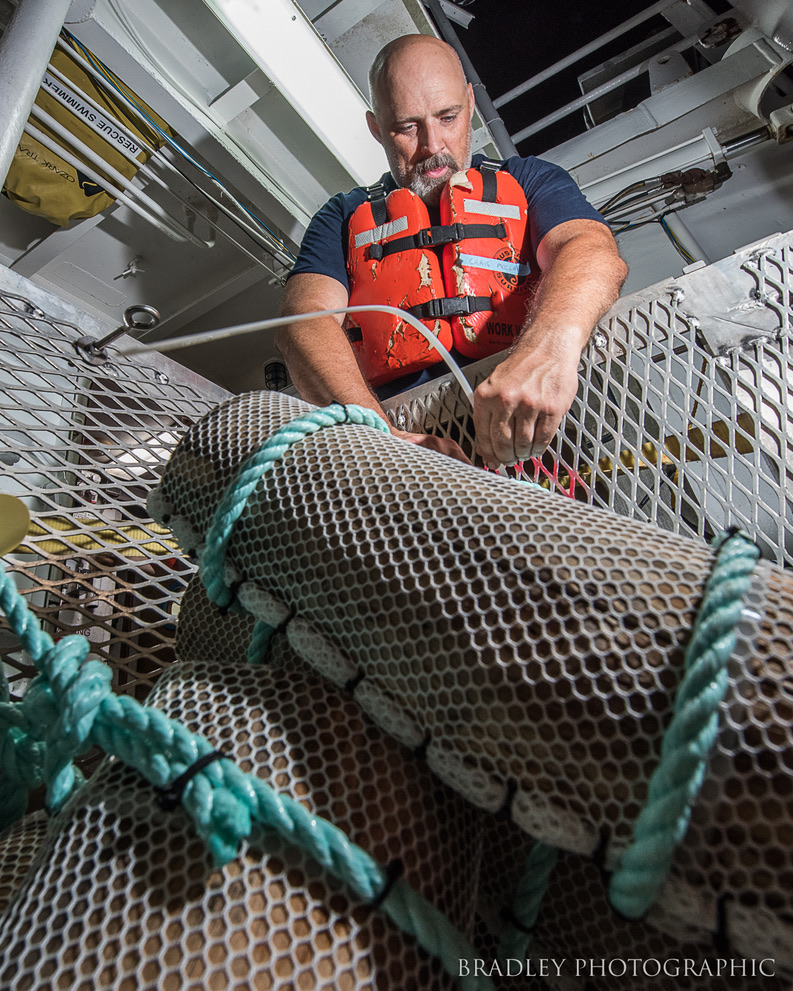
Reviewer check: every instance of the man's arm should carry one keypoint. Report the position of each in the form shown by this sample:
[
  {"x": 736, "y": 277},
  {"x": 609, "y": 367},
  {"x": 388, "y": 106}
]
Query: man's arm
[
  {"x": 518, "y": 408},
  {"x": 321, "y": 361},
  {"x": 318, "y": 355}
]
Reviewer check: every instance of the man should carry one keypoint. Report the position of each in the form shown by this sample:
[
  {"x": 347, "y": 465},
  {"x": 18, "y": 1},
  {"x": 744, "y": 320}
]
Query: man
[{"x": 422, "y": 113}]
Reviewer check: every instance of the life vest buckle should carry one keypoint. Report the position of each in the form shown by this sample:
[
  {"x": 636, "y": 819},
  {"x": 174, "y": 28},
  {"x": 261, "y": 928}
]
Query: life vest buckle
[{"x": 445, "y": 234}]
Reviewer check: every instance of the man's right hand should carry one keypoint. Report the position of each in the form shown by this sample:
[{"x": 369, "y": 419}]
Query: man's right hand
[
  {"x": 321, "y": 361},
  {"x": 443, "y": 445}
]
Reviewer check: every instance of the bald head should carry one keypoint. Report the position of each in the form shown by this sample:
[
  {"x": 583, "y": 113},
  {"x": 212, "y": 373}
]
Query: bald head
[
  {"x": 421, "y": 112},
  {"x": 401, "y": 55}
]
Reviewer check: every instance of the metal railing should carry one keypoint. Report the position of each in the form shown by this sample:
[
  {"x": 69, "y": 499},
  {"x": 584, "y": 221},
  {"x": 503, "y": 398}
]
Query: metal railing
[{"x": 581, "y": 53}]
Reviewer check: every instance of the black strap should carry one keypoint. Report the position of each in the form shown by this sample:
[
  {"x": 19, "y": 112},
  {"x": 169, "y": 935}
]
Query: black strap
[
  {"x": 392, "y": 872},
  {"x": 171, "y": 795},
  {"x": 489, "y": 172},
  {"x": 451, "y": 306},
  {"x": 430, "y": 237},
  {"x": 376, "y": 196}
]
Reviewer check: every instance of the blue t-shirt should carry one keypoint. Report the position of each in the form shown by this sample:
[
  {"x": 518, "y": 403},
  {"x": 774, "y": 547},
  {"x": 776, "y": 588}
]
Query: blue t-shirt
[{"x": 552, "y": 196}]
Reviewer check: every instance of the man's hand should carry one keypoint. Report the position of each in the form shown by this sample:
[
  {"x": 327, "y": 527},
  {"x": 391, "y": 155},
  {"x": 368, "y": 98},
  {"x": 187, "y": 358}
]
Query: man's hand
[
  {"x": 518, "y": 408},
  {"x": 443, "y": 445}
]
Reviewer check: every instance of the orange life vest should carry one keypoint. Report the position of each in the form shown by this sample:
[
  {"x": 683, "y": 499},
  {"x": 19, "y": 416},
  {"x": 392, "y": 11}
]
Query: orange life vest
[{"x": 475, "y": 296}]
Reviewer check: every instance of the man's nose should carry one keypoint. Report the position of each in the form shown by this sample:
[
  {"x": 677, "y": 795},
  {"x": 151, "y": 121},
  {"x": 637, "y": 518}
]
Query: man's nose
[{"x": 432, "y": 139}]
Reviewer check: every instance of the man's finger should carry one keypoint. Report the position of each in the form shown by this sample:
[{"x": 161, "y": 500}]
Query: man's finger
[
  {"x": 443, "y": 445},
  {"x": 545, "y": 428},
  {"x": 502, "y": 429},
  {"x": 482, "y": 418},
  {"x": 525, "y": 427}
]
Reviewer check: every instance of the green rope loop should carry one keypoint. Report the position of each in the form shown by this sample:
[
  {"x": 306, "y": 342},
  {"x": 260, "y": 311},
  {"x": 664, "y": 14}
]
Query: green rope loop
[
  {"x": 691, "y": 733},
  {"x": 236, "y": 496},
  {"x": 526, "y": 906},
  {"x": 76, "y": 709}
]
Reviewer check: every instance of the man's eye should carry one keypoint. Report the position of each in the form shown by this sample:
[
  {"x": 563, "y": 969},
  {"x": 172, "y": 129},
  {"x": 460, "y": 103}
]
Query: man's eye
[{"x": 449, "y": 119}]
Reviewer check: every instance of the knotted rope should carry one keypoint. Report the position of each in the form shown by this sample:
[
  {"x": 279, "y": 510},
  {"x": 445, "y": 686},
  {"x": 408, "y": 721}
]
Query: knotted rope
[
  {"x": 70, "y": 707},
  {"x": 691, "y": 733}
]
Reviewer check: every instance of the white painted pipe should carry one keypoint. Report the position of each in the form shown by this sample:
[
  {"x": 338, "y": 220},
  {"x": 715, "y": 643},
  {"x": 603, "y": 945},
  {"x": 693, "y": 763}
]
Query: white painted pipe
[
  {"x": 103, "y": 183},
  {"x": 149, "y": 205},
  {"x": 25, "y": 49}
]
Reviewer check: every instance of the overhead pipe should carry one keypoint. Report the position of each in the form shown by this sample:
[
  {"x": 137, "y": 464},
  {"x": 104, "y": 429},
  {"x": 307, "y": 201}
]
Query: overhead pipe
[
  {"x": 624, "y": 77},
  {"x": 103, "y": 183},
  {"x": 488, "y": 113},
  {"x": 25, "y": 49}
]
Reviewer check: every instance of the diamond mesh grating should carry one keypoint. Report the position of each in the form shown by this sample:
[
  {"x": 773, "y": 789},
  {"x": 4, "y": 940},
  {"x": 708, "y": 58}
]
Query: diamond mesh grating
[
  {"x": 82, "y": 447},
  {"x": 674, "y": 423}
]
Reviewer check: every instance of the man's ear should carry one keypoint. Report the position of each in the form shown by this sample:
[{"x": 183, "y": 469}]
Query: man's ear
[
  {"x": 374, "y": 128},
  {"x": 471, "y": 102}
]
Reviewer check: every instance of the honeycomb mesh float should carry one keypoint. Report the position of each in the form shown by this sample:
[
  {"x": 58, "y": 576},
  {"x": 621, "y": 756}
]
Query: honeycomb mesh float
[
  {"x": 123, "y": 895},
  {"x": 531, "y": 645}
]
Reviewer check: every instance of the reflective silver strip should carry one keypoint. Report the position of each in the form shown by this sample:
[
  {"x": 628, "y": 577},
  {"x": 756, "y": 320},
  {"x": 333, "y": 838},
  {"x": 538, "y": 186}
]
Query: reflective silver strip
[
  {"x": 378, "y": 233},
  {"x": 509, "y": 210},
  {"x": 517, "y": 269}
]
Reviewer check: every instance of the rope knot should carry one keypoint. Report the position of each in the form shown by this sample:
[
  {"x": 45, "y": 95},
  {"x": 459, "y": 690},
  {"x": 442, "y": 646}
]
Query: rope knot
[{"x": 79, "y": 687}]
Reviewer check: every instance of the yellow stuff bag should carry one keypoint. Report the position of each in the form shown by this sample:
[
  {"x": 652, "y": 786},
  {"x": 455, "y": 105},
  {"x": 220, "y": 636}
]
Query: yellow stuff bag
[{"x": 40, "y": 181}]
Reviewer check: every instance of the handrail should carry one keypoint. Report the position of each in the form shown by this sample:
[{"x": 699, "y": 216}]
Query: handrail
[
  {"x": 615, "y": 83},
  {"x": 580, "y": 53}
]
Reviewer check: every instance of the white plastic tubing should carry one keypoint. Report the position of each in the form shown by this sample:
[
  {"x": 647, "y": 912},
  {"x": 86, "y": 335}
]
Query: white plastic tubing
[{"x": 208, "y": 336}]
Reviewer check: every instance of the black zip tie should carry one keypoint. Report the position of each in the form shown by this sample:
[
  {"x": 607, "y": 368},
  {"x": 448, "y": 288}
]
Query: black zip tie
[
  {"x": 284, "y": 622},
  {"x": 721, "y": 941},
  {"x": 599, "y": 858},
  {"x": 421, "y": 750},
  {"x": 337, "y": 402},
  {"x": 509, "y": 916},
  {"x": 353, "y": 683},
  {"x": 505, "y": 811},
  {"x": 234, "y": 589},
  {"x": 171, "y": 795},
  {"x": 737, "y": 531},
  {"x": 392, "y": 872},
  {"x": 166, "y": 519}
]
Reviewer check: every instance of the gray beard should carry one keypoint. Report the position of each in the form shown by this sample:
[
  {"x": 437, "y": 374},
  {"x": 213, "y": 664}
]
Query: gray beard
[
  {"x": 425, "y": 187},
  {"x": 428, "y": 188}
]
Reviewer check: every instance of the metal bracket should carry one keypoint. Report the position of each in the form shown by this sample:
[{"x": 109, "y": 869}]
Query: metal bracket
[
  {"x": 140, "y": 317},
  {"x": 729, "y": 303}
]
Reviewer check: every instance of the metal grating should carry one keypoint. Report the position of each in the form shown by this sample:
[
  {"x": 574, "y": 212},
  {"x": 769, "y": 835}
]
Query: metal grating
[
  {"x": 684, "y": 413},
  {"x": 82, "y": 445}
]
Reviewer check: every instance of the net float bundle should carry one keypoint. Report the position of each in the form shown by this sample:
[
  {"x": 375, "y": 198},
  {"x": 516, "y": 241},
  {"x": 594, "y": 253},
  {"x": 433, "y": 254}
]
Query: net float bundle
[{"x": 530, "y": 648}]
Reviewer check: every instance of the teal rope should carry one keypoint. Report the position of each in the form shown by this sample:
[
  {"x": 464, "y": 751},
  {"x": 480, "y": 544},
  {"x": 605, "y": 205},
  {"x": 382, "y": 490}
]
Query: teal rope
[
  {"x": 691, "y": 733},
  {"x": 79, "y": 710},
  {"x": 70, "y": 707},
  {"x": 514, "y": 944},
  {"x": 236, "y": 496},
  {"x": 260, "y": 641}
]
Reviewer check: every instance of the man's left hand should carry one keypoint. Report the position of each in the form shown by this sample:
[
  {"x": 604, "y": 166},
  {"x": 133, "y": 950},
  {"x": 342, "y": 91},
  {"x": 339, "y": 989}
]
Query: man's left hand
[{"x": 518, "y": 408}]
